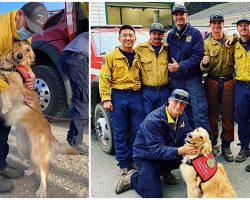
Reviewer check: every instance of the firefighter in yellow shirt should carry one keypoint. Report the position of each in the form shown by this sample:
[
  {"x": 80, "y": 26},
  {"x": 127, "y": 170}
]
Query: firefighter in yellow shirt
[
  {"x": 242, "y": 88},
  {"x": 218, "y": 62},
  {"x": 120, "y": 92},
  {"x": 17, "y": 25},
  {"x": 153, "y": 55}
]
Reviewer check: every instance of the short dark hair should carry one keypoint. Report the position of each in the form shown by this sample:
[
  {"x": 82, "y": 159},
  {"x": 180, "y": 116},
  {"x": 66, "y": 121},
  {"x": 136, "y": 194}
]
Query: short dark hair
[{"x": 126, "y": 26}]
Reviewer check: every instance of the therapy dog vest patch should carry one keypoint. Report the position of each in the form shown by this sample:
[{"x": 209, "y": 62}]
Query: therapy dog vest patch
[{"x": 206, "y": 167}]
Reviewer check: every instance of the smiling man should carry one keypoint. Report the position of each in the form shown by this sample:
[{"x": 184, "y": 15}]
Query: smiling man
[
  {"x": 159, "y": 146},
  {"x": 120, "y": 91},
  {"x": 186, "y": 52},
  {"x": 153, "y": 55},
  {"x": 242, "y": 88},
  {"x": 218, "y": 62}
]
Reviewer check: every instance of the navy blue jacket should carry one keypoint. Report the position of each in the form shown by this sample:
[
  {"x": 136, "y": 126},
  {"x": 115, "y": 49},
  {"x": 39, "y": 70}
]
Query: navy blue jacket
[
  {"x": 156, "y": 138},
  {"x": 188, "y": 50}
]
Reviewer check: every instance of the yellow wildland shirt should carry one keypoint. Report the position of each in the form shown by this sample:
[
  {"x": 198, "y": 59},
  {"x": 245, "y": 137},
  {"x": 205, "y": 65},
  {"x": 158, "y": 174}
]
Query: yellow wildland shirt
[
  {"x": 116, "y": 73},
  {"x": 170, "y": 119},
  {"x": 242, "y": 62},
  {"x": 221, "y": 58},
  {"x": 8, "y": 35},
  {"x": 154, "y": 69}
]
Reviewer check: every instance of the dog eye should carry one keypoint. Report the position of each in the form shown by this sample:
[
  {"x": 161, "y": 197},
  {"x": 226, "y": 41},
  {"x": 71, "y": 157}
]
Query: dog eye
[
  {"x": 201, "y": 137},
  {"x": 28, "y": 50}
]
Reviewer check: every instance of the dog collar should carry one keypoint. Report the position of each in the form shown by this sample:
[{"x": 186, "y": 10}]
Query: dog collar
[{"x": 23, "y": 71}]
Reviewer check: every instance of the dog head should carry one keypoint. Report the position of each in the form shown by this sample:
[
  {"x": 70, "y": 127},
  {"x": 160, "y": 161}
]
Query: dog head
[
  {"x": 22, "y": 53},
  {"x": 200, "y": 138}
]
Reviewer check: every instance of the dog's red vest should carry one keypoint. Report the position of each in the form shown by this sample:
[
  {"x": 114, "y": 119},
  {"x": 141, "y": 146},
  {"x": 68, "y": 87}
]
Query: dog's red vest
[
  {"x": 23, "y": 70},
  {"x": 206, "y": 167}
]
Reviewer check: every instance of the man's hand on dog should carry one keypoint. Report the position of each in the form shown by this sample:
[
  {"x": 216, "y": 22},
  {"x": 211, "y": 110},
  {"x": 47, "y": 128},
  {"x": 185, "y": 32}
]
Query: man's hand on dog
[
  {"x": 30, "y": 83},
  {"x": 187, "y": 149}
]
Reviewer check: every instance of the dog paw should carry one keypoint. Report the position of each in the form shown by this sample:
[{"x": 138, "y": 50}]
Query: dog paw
[{"x": 41, "y": 193}]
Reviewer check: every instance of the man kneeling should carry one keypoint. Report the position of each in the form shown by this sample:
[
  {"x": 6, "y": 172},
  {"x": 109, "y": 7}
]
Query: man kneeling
[{"x": 158, "y": 147}]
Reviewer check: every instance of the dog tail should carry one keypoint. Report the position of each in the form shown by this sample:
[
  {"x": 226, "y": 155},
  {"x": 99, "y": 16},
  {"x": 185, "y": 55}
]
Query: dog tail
[{"x": 62, "y": 148}]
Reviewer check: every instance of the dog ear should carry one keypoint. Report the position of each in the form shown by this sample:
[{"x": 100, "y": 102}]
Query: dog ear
[
  {"x": 32, "y": 57},
  {"x": 205, "y": 148}
]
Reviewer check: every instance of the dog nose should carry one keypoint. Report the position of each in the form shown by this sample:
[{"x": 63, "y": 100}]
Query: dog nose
[
  {"x": 190, "y": 135},
  {"x": 19, "y": 56}
]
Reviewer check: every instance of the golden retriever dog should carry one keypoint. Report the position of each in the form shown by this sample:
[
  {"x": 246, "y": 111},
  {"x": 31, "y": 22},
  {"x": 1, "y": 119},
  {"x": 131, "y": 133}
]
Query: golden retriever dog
[
  {"x": 35, "y": 141},
  {"x": 22, "y": 56},
  {"x": 216, "y": 187}
]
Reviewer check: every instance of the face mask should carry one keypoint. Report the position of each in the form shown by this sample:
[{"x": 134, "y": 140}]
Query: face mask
[{"x": 23, "y": 34}]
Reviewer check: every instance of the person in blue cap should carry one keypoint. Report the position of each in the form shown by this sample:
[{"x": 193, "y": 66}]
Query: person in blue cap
[
  {"x": 159, "y": 146},
  {"x": 186, "y": 50},
  {"x": 153, "y": 55},
  {"x": 242, "y": 88},
  {"x": 17, "y": 25}
]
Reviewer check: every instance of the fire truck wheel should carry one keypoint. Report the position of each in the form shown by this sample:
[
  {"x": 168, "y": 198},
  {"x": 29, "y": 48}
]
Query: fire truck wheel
[
  {"x": 51, "y": 90},
  {"x": 104, "y": 129}
]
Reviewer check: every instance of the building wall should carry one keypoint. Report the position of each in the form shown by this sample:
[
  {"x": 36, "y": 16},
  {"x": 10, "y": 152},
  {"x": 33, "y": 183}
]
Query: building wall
[
  {"x": 137, "y": 16},
  {"x": 98, "y": 14}
]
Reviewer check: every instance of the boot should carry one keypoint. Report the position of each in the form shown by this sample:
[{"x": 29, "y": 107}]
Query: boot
[
  {"x": 242, "y": 155},
  {"x": 227, "y": 154},
  {"x": 124, "y": 182},
  {"x": 169, "y": 178},
  {"x": 11, "y": 172},
  {"x": 5, "y": 185}
]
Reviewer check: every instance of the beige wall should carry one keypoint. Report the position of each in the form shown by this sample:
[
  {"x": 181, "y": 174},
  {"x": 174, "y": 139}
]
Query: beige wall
[{"x": 137, "y": 16}]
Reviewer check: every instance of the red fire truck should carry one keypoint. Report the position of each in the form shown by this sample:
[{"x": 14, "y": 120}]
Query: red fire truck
[{"x": 52, "y": 84}]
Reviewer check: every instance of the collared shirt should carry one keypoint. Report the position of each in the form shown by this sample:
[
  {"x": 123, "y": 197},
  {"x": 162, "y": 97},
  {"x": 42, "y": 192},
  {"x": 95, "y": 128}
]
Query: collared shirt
[
  {"x": 154, "y": 69},
  {"x": 221, "y": 58},
  {"x": 116, "y": 73},
  {"x": 242, "y": 63},
  {"x": 170, "y": 119}
]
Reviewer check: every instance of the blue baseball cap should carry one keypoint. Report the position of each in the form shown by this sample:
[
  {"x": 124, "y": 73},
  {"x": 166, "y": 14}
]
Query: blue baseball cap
[
  {"x": 180, "y": 95},
  {"x": 243, "y": 18},
  {"x": 178, "y": 7},
  {"x": 157, "y": 27},
  {"x": 216, "y": 16}
]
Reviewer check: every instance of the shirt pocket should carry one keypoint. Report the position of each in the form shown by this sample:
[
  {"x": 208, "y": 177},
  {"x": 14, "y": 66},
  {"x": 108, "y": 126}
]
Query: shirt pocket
[
  {"x": 164, "y": 66},
  {"x": 135, "y": 70},
  {"x": 214, "y": 56},
  {"x": 118, "y": 71},
  {"x": 239, "y": 63},
  {"x": 230, "y": 56},
  {"x": 147, "y": 64}
]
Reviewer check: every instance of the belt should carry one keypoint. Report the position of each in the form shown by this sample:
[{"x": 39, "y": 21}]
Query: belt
[
  {"x": 155, "y": 87},
  {"x": 222, "y": 78},
  {"x": 125, "y": 90}
]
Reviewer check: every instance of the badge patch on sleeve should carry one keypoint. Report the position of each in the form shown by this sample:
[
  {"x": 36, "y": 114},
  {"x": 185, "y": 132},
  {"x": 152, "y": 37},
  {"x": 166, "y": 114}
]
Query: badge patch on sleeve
[{"x": 206, "y": 167}]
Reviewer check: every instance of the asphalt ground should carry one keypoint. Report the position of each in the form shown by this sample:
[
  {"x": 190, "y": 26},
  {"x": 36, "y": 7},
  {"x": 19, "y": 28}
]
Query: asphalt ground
[
  {"x": 68, "y": 175},
  {"x": 105, "y": 174}
]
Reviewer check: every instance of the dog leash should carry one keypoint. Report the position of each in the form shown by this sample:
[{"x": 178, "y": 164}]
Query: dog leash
[{"x": 55, "y": 118}]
